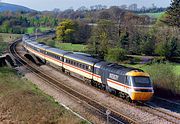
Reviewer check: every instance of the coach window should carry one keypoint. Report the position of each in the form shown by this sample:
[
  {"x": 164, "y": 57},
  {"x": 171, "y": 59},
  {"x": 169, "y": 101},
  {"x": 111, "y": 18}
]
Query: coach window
[
  {"x": 83, "y": 66},
  {"x": 86, "y": 67},
  {"x": 71, "y": 62}
]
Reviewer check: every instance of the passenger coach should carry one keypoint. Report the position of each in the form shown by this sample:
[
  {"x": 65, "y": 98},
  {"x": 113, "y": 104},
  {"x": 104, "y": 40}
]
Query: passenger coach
[{"x": 130, "y": 83}]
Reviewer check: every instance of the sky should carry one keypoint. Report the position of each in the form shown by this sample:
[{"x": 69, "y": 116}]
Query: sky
[{"x": 66, "y": 4}]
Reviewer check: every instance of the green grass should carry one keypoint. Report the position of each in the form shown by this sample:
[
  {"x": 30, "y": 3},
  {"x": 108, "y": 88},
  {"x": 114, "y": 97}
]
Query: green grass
[
  {"x": 3, "y": 47},
  {"x": 9, "y": 37},
  {"x": 164, "y": 76},
  {"x": 175, "y": 67},
  {"x": 71, "y": 47},
  {"x": 153, "y": 15},
  {"x": 31, "y": 30},
  {"x": 64, "y": 46},
  {"x": 5, "y": 38}
]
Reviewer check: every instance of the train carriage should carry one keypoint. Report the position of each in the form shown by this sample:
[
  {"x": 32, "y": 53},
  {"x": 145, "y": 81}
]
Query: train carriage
[
  {"x": 56, "y": 56},
  {"x": 80, "y": 64}
]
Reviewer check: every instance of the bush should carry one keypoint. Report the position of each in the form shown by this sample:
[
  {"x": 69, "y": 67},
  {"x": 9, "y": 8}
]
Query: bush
[
  {"x": 164, "y": 78},
  {"x": 115, "y": 55}
]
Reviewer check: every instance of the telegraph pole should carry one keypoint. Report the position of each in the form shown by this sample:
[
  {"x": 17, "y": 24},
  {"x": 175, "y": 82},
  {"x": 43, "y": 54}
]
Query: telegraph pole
[
  {"x": 108, "y": 112},
  {"x": 36, "y": 33}
]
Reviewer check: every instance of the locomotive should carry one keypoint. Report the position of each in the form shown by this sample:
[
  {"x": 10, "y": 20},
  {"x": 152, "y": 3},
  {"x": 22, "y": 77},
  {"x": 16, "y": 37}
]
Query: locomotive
[{"x": 130, "y": 83}]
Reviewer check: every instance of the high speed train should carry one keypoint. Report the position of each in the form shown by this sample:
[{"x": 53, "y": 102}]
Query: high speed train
[{"x": 126, "y": 82}]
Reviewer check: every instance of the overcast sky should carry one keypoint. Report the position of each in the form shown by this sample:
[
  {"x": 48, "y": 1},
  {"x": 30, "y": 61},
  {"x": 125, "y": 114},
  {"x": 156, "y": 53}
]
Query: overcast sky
[{"x": 65, "y": 4}]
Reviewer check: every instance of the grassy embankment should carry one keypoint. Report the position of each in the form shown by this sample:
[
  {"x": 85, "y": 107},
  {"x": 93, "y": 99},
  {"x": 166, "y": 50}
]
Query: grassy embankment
[
  {"x": 31, "y": 30},
  {"x": 22, "y": 102},
  {"x": 166, "y": 77},
  {"x": 5, "y": 38}
]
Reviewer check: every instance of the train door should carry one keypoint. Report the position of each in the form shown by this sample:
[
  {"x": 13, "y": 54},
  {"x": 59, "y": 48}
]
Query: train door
[{"x": 104, "y": 75}]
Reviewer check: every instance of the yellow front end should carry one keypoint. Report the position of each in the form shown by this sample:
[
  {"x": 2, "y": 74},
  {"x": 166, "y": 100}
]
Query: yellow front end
[{"x": 141, "y": 96}]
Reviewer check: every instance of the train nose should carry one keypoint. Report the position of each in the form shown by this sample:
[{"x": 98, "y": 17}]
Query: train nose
[{"x": 141, "y": 96}]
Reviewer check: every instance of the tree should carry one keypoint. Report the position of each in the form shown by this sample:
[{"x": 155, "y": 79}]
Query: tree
[
  {"x": 115, "y": 54},
  {"x": 65, "y": 31},
  {"x": 103, "y": 37},
  {"x": 168, "y": 48},
  {"x": 173, "y": 18}
]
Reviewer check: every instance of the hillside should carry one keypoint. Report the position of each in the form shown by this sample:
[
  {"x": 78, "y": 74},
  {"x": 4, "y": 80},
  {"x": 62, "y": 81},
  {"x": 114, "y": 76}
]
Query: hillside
[{"x": 12, "y": 7}]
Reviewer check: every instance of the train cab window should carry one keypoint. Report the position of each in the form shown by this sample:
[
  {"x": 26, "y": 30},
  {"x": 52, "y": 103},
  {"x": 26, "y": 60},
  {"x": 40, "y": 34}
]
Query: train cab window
[
  {"x": 90, "y": 68},
  {"x": 127, "y": 80},
  {"x": 97, "y": 71}
]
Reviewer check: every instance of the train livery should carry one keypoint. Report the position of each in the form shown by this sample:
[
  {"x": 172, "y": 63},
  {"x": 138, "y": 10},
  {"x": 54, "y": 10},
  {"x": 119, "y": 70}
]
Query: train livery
[{"x": 130, "y": 83}]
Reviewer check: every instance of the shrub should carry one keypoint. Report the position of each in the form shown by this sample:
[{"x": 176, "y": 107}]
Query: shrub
[
  {"x": 115, "y": 55},
  {"x": 163, "y": 77}
]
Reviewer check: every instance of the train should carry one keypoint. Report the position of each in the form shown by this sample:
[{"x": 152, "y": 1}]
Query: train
[{"x": 126, "y": 82}]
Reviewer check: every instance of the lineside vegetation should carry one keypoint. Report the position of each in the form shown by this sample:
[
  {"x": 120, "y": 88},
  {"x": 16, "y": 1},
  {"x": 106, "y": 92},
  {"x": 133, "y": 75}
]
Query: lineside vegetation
[{"x": 21, "y": 101}]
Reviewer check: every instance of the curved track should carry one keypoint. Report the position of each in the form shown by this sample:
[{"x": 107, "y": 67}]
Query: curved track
[{"x": 114, "y": 117}]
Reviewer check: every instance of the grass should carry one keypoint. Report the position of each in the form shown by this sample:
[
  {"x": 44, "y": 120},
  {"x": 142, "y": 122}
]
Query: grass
[
  {"x": 153, "y": 15},
  {"x": 31, "y": 30},
  {"x": 165, "y": 77},
  {"x": 3, "y": 47},
  {"x": 175, "y": 67},
  {"x": 71, "y": 47},
  {"x": 64, "y": 46},
  {"x": 21, "y": 101},
  {"x": 5, "y": 38}
]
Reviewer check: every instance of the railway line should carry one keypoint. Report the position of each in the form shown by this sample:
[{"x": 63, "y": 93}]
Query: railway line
[{"x": 115, "y": 116}]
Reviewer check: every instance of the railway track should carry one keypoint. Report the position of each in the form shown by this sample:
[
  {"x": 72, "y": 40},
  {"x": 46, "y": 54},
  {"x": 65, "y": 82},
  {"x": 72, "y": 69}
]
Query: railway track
[{"x": 114, "y": 117}]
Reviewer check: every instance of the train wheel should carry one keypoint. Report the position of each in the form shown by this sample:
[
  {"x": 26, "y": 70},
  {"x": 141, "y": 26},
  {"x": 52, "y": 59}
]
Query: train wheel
[{"x": 129, "y": 99}]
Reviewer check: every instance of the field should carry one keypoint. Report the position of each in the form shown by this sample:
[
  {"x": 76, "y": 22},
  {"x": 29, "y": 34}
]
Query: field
[
  {"x": 153, "y": 15},
  {"x": 31, "y": 30},
  {"x": 64, "y": 46},
  {"x": 5, "y": 39},
  {"x": 71, "y": 47},
  {"x": 22, "y": 102}
]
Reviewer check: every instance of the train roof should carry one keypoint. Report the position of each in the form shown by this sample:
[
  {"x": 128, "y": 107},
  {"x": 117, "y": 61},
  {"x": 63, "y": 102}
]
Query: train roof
[
  {"x": 37, "y": 45},
  {"x": 119, "y": 69},
  {"x": 84, "y": 54},
  {"x": 82, "y": 58},
  {"x": 57, "y": 51},
  {"x": 100, "y": 64}
]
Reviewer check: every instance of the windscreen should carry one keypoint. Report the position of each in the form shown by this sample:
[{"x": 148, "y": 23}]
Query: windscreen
[{"x": 141, "y": 82}]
